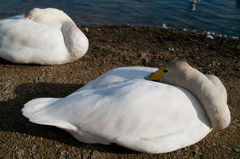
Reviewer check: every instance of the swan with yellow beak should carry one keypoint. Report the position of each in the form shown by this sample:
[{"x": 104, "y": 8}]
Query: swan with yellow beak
[{"x": 124, "y": 107}]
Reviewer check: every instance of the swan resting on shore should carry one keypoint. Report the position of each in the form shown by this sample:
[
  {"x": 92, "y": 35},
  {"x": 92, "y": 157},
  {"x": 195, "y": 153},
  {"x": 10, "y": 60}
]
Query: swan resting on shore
[
  {"x": 44, "y": 36},
  {"x": 141, "y": 108}
]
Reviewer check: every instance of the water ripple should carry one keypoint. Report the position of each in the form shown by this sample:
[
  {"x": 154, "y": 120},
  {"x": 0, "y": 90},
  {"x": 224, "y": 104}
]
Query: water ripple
[{"x": 221, "y": 17}]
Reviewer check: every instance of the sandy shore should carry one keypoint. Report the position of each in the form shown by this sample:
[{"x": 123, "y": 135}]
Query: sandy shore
[{"x": 112, "y": 47}]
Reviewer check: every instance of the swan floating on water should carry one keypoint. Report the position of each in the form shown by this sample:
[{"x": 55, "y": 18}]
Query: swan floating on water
[
  {"x": 125, "y": 106},
  {"x": 44, "y": 36}
]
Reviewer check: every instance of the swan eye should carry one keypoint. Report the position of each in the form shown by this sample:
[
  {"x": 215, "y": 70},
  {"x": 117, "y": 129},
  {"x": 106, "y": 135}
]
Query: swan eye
[{"x": 165, "y": 71}]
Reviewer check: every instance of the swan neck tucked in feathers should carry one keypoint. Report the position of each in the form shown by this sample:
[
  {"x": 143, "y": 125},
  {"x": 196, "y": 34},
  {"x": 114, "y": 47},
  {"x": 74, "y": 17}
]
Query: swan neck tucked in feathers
[
  {"x": 75, "y": 41},
  {"x": 206, "y": 92}
]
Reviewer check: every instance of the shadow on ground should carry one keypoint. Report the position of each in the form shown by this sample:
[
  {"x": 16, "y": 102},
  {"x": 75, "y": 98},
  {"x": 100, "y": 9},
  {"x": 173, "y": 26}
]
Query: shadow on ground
[{"x": 12, "y": 119}]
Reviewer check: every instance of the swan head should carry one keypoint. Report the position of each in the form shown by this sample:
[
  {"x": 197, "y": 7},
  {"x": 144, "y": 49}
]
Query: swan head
[
  {"x": 48, "y": 15},
  {"x": 179, "y": 73},
  {"x": 172, "y": 73}
]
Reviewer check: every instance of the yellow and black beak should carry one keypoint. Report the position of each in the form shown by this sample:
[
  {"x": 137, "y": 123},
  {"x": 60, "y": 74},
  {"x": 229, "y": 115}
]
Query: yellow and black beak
[
  {"x": 28, "y": 17},
  {"x": 155, "y": 76}
]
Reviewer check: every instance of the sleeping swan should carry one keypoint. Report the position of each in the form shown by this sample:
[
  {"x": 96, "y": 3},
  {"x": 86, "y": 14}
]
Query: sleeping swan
[
  {"x": 44, "y": 36},
  {"x": 124, "y": 107}
]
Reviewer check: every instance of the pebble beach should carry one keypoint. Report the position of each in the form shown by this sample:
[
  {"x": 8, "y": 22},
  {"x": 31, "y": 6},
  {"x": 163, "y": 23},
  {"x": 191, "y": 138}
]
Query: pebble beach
[{"x": 112, "y": 47}]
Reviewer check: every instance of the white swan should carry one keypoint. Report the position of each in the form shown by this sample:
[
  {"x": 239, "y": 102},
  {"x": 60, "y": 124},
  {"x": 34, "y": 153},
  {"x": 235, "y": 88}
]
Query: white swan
[
  {"x": 122, "y": 106},
  {"x": 44, "y": 36}
]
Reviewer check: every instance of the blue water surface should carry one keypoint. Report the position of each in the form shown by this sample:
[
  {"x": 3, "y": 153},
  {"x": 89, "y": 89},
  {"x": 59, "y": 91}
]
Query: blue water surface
[{"x": 215, "y": 16}]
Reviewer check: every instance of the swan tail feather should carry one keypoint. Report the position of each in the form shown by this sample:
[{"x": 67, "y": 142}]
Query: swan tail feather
[{"x": 36, "y": 111}]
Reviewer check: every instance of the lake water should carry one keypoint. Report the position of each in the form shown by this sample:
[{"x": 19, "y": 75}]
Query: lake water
[{"x": 218, "y": 16}]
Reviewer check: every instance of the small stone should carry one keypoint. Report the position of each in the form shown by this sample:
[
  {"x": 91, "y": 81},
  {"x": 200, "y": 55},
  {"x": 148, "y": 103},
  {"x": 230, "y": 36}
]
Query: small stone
[
  {"x": 34, "y": 148},
  {"x": 20, "y": 153},
  {"x": 171, "y": 49},
  {"x": 214, "y": 63},
  {"x": 197, "y": 58},
  {"x": 236, "y": 150},
  {"x": 58, "y": 146},
  {"x": 209, "y": 37}
]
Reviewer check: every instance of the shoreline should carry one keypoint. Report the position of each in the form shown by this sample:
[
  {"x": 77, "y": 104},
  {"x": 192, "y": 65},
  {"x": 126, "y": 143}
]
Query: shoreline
[
  {"x": 111, "y": 47},
  {"x": 164, "y": 26}
]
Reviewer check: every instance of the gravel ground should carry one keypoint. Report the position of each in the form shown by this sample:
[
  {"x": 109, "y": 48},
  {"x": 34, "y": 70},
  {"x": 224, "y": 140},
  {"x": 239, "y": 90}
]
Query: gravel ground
[{"x": 112, "y": 47}]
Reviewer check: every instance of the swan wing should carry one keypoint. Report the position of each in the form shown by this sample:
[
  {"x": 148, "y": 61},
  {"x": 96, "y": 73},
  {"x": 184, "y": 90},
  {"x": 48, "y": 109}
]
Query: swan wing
[{"x": 24, "y": 41}]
